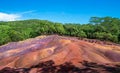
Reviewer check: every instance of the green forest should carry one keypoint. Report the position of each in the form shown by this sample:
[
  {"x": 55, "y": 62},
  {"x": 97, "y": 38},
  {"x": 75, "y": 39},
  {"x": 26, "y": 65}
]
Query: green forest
[{"x": 102, "y": 28}]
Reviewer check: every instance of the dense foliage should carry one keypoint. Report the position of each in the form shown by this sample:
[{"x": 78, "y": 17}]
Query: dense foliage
[{"x": 102, "y": 28}]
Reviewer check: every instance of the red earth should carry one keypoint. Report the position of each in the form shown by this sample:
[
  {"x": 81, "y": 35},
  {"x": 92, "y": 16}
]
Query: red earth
[{"x": 60, "y": 49}]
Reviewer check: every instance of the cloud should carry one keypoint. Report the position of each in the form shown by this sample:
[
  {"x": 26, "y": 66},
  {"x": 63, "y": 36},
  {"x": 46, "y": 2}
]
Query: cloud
[
  {"x": 27, "y": 12},
  {"x": 9, "y": 17}
]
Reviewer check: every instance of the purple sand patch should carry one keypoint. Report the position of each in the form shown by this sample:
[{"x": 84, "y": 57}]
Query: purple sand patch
[{"x": 39, "y": 44}]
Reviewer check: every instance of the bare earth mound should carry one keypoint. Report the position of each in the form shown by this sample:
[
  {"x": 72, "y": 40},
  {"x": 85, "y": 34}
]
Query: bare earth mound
[{"x": 25, "y": 54}]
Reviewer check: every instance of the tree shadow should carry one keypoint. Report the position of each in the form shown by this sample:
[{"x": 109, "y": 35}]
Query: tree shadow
[{"x": 67, "y": 67}]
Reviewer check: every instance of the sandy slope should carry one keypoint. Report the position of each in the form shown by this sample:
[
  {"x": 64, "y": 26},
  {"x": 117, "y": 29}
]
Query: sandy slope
[{"x": 57, "y": 48}]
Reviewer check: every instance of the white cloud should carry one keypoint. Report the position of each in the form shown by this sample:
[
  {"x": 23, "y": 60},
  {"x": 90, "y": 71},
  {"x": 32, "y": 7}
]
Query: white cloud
[
  {"x": 9, "y": 17},
  {"x": 28, "y": 12}
]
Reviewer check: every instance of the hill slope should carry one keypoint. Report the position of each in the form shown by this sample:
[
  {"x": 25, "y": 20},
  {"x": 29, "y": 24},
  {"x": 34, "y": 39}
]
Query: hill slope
[{"x": 25, "y": 54}]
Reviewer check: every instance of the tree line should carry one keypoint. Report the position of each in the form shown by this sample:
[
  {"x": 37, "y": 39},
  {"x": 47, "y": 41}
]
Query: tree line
[{"x": 102, "y": 28}]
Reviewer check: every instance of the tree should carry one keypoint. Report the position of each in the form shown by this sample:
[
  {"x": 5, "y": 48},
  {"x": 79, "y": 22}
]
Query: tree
[
  {"x": 59, "y": 28},
  {"x": 4, "y": 37},
  {"x": 81, "y": 34},
  {"x": 15, "y": 36}
]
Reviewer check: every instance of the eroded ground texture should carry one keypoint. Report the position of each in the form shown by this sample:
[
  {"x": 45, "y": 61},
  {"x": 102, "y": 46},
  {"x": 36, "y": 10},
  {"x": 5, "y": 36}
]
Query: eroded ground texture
[{"x": 45, "y": 54}]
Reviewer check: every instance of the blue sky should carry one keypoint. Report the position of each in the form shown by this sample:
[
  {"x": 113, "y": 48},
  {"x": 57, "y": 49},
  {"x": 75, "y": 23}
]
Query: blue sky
[{"x": 64, "y": 11}]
